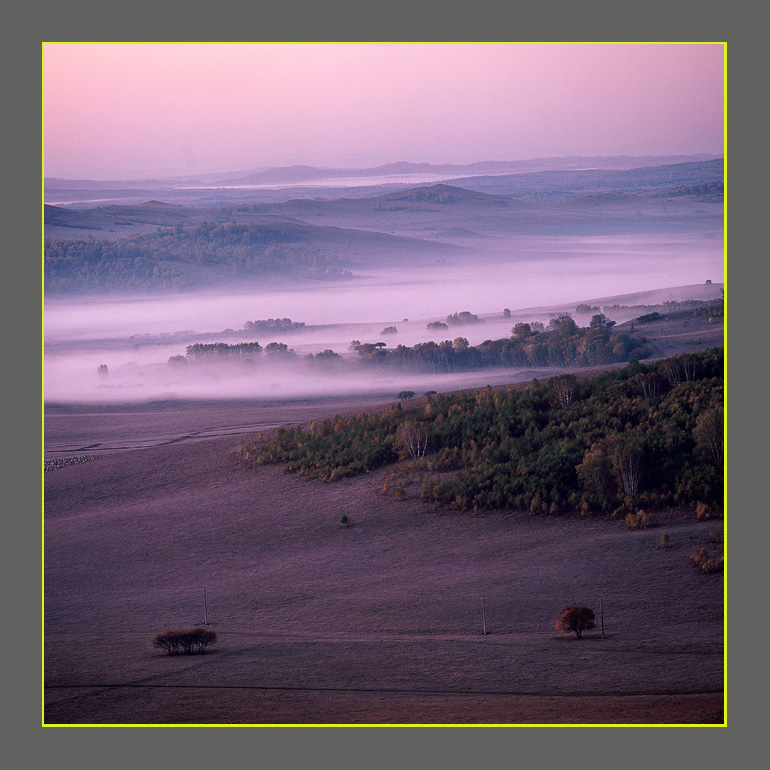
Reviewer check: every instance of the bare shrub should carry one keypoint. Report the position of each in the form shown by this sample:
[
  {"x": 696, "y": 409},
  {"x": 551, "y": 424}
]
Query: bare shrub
[{"x": 641, "y": 520}]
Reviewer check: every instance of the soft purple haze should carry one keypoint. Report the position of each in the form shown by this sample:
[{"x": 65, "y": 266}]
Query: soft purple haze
[{"x": 115, "y": 111}]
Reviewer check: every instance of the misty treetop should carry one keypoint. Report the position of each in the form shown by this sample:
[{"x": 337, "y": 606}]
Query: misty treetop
[
  {"x": 462, "y": 318},
  {"x": 609, "y": 442},
  {"x": 273, "y": 325},
  {"x": 214, "y": 350}
]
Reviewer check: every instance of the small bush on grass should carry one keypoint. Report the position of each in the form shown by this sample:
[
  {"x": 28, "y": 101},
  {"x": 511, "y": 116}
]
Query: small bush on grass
[
  {"x": 703, "y": 511},
  {"x": 188, "y": 641},
  {"x": 641, "y": 520},
  {"x": 665, "y": 541},
  {"x": 701, "y": 560}
]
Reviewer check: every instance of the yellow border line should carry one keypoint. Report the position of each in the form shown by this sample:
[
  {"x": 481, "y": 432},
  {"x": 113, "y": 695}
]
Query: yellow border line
[{"x": 724, "y": 377}]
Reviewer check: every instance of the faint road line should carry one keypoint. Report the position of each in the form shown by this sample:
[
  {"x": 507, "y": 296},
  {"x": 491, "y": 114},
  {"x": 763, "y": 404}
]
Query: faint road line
[{"x": 393, "y": 690}]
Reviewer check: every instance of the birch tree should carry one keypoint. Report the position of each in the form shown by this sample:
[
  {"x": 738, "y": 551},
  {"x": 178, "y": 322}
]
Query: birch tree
[
  {"x": 626, "y": 458},
  {"x": 563, "y": 387},
  {"x": 411, "y": 440},
  {"x": 709, "y": 433}
]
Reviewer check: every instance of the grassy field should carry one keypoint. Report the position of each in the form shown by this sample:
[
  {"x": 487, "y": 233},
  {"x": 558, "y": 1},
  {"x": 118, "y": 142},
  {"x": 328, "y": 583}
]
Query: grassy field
[{"x": 378, "y": 622}]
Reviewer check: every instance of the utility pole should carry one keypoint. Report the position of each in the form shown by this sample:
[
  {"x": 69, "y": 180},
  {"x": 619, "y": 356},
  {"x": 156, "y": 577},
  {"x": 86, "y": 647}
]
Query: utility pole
[
  {"x": 484, "y": 614},
  {"x": 601, "y": 612}
]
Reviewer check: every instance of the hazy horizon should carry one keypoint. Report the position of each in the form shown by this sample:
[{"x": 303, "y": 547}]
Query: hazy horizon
[{"x": 132, "y": 111}]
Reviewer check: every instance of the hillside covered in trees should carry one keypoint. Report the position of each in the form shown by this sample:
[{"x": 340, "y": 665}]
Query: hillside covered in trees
[
  {"x": 644, "y": 435},
  {"x": 155, "y": 262}
]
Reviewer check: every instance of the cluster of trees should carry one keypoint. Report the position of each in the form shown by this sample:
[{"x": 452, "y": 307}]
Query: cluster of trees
[
  {"x": 188, "y": 641},
  {"x": 463, "y": 318},
  {"x": 325, "y": 356},
  {"x": 273, "y": 325},
  {"x": 145, "y": 262},
  {"x": 561, "y": 343},
  {"x": 248, "y": 352},
  {"x": 218, "y": 351},
  {"x": 712, "y": 312},
  {"x": 605, "y": 443},
  {"x": 707, "y": 190},
  {"x": 703, "y": 561},
  {"x": 668, "y": 306},
  {"x": 202, "y": 350}
]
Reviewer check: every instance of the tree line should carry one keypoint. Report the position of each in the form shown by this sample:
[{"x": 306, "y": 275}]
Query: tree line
[
  {"x": 273, "y": 325},
  {"x": 644, "y": 435},
  {"x": 561, "y": 343}
]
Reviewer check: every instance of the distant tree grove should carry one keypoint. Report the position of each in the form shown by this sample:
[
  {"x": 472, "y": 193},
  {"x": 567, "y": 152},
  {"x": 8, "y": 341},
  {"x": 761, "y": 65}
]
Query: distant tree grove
[
  {"x": 613, "y": 445},
  {"x": 154, "y": 262},
  {"x": 561, "y": 343}
]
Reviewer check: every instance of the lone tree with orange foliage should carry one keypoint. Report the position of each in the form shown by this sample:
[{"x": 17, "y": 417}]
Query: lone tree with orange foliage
[{"x": 577, "y": 619}]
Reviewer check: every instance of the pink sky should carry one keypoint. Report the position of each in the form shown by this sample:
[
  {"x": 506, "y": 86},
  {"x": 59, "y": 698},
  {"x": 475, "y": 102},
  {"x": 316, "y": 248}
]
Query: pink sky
[{"x": 150, "y": 110}]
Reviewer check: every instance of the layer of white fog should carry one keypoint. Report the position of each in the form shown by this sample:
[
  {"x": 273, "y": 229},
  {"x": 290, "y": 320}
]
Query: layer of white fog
[{"x": 539, "y": 277}]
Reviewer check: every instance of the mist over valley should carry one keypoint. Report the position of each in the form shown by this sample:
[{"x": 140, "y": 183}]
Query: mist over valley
[{"x": 129, "y": 287}]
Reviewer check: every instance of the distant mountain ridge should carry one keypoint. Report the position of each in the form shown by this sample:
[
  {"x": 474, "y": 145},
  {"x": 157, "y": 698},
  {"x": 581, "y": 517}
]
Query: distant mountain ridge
[
  {"x": 570, "y": 183},
  {"x": 300, "y": 173}
]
